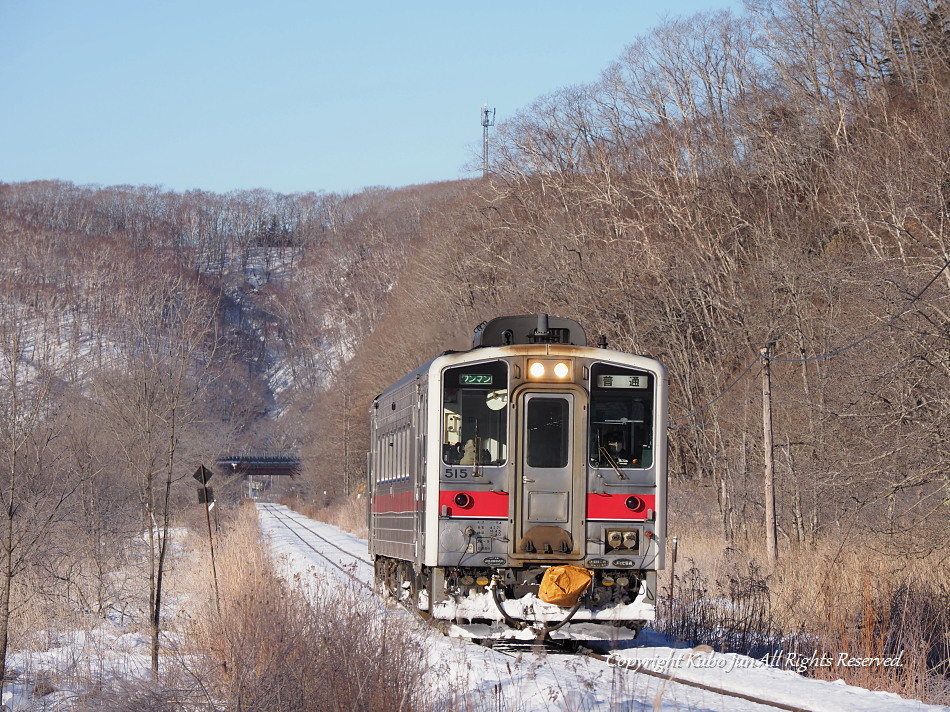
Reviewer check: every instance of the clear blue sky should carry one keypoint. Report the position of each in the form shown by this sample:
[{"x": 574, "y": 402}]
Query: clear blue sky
[{"x": 287, "y": 95}]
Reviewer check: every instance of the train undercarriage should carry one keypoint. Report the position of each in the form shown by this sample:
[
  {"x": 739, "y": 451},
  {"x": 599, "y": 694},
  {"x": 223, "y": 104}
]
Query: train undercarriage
[{"x": 501, "y": 602}]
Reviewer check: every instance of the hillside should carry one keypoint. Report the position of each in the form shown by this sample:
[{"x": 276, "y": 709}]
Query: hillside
[{"x": 729, "y": 184}]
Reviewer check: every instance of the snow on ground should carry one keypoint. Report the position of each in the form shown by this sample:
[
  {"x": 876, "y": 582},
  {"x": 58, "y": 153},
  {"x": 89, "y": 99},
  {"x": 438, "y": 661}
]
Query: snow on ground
[
  {"x": 64, "y": 666},
  {"x": 475, "y": 677},
  {"x": 107, "y": 653}
]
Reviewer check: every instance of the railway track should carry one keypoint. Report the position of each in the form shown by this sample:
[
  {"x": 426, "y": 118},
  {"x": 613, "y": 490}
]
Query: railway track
[
  {"x": 702, "y": 686},
  {"x": 319, "y": 544},
  {"x": 513, "y": 648},
  {"x": 294, "y": 526}
]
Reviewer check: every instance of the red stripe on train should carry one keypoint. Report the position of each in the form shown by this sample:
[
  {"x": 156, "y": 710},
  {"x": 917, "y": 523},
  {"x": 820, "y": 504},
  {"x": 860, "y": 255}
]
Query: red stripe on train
[
  {"x": 395, "y": 502},
  {"x": 614, "y": 506},
  {"x": 474, "y": 505}
]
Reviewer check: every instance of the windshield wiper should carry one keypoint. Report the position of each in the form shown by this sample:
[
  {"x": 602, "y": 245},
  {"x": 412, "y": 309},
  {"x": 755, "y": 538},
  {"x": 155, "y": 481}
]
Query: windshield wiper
[{"x": 605, "y": 453}]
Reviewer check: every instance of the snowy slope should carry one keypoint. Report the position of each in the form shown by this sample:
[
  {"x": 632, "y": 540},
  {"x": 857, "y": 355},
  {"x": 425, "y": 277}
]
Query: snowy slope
[{"x": 528, "y": 681}]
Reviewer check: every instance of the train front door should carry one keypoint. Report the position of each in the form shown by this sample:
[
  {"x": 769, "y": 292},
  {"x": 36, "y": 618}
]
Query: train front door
[{"x": 550, "y": 513}]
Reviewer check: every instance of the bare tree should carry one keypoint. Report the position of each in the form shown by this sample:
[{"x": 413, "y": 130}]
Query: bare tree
[
  {"x": 29, "y": 373},
  {"x": 153, "y": 397}
]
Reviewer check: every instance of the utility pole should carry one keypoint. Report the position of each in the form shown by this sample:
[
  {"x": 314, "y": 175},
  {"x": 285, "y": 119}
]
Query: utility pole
[
  {"x": 206, "y": 497},
  {"x": 488, "y": 119},
  {"x": 771, "y": 545},
  {"x": 673, "y": 569}
]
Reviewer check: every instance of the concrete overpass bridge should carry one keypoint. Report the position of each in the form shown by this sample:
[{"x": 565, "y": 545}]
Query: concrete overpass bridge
[{"x": 263, "y": 473}]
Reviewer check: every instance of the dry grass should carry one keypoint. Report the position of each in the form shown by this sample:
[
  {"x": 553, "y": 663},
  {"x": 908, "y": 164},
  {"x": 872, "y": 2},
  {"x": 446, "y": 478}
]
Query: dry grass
[
  {"x": 269, "y": 645},
  {"x": 829, "y": 598},
  {"x": 347, "y": 514},
  {"x": 257, "y": 643}
]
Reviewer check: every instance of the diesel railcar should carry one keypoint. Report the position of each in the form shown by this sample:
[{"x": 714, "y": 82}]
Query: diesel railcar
[{"x": 531, "y": 450}]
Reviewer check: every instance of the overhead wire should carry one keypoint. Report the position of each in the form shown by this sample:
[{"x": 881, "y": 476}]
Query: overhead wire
[
  {"x": 718, "y": 397},
  {"x": 913, "y": 300}
]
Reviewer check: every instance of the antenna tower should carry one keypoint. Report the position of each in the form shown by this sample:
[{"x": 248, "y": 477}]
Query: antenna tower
[{"x": 488, "y": 119}]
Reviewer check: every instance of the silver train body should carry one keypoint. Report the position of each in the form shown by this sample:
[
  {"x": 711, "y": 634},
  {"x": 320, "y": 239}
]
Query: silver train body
[{"x": 530, "y": 450}]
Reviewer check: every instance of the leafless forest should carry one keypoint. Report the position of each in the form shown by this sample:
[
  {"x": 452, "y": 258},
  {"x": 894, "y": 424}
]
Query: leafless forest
[{"x": 729, "y": 183}]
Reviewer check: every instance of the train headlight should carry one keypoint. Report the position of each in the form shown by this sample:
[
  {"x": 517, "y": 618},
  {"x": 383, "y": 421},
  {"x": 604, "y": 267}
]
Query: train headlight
[
  {"x": 625, "y": 539},
  {"x": 549, "y": 370},
  {"x": 630, "y": 540}
]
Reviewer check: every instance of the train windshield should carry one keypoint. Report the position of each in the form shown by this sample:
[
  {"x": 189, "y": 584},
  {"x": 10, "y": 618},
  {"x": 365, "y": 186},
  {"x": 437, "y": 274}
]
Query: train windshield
[
  {"x": 621, "y": 417},
  {"x": 475, "y": 414}
]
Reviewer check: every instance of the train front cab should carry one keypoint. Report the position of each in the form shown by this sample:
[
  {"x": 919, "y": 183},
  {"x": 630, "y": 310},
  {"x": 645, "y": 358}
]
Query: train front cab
[{"x": 546, "y": 455}]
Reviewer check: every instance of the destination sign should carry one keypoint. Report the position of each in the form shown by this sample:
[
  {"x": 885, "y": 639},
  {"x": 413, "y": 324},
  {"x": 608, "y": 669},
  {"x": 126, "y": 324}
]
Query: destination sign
[
  {"x": 625, "y": 381},
  {"x": 475, "y": 379}
]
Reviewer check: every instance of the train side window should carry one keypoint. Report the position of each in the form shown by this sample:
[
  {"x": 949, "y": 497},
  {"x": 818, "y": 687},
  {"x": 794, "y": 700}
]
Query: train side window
[
  {"x": 390, "y": 456},
  {"x": 474, "y": 416},
  {"x": 378, "y": 459},
  {"x": 621, "y": 417},
  {"x": 397, "y": 475},
  {"x": 404, "y": 464},
  {"x": 397, "y": 471}
]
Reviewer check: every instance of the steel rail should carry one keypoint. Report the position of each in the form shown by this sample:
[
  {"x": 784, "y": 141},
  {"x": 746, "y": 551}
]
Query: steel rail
[
  {"x": 513, "y": 645},
  {"x": 282, "y": 518},
  {"x": 700, "y": 685}
]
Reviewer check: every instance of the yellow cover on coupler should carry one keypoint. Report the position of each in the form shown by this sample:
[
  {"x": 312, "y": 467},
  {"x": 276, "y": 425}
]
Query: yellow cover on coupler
[{"x": 563, "y": 585}]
